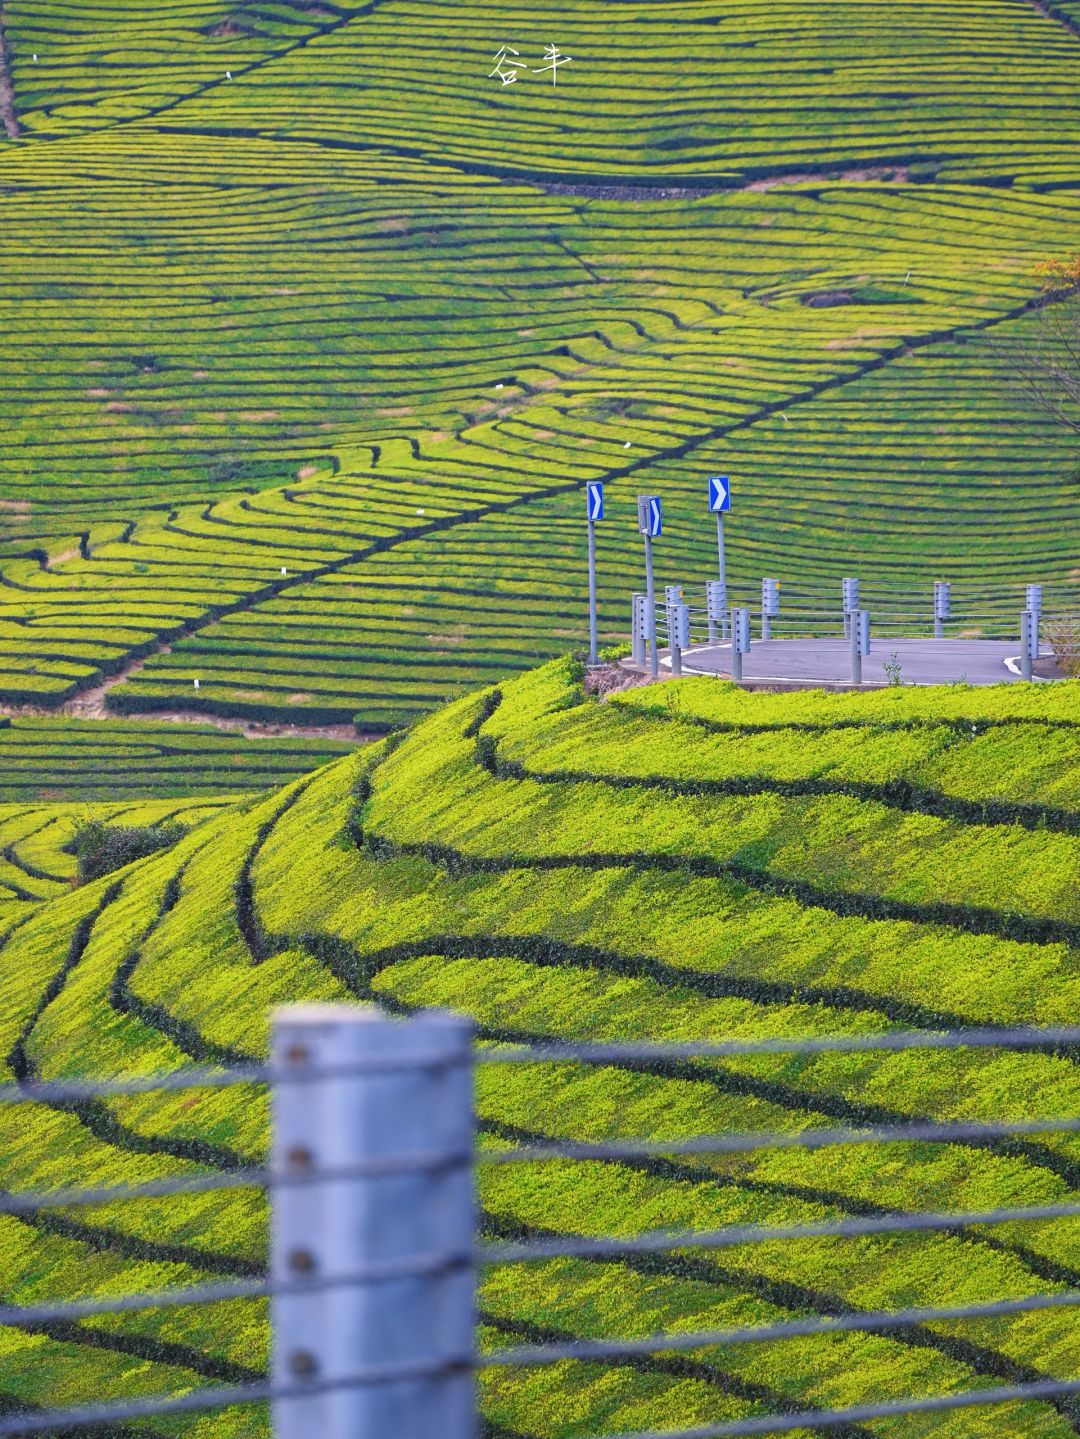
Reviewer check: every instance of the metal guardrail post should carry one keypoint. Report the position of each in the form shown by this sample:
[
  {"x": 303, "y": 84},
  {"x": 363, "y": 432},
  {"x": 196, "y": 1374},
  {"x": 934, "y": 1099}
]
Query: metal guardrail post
[
  {"x": 853, "y": 622},
  {"x": 770, "y": 605},
  {"x": 740, "y": 640},
  {"x": 716, "y": 608},
  {"x": 637, "y": 630},
  {"x": 678, "y": 622},
  {"x": 333, "y": 1227},
  {"x": 849, "y": 593},
  {"x": 1029, "y": 623},
  {"x": 1033, "y": 602},
  {"x": 942, "y": 606}
]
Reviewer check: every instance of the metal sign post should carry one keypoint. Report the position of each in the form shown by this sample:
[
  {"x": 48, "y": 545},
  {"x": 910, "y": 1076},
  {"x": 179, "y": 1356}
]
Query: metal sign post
[
  {"x": 942, "y": 606},
  {"x": 594, "y": 510},
  {"x": 770, "y": 606},
  {"x": 650, "y": 523},
  {"x": 719, "y": 504},
  {"x": 740, "y": 640}
]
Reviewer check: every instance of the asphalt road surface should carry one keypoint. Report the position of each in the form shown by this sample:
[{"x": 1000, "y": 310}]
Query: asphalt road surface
[{"x": 828, "y": 661}]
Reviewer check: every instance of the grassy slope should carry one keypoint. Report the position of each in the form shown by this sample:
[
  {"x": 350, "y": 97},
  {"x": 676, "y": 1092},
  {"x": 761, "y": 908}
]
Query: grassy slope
[
  {"x": 333, "y": 318},
  {"x": 686, "y": 861}
]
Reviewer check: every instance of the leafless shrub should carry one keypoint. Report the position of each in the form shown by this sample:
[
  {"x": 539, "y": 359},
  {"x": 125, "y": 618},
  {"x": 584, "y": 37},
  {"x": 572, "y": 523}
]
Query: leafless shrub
[{"x": 1062, "y": 634}]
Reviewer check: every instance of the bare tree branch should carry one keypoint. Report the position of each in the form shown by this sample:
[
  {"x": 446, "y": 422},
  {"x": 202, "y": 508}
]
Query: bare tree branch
[{"x": 1046, "y": 364}]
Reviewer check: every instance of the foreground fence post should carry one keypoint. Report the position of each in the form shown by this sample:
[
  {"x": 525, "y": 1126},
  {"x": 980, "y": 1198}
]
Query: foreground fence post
[{"x": 417, "y": 1217}]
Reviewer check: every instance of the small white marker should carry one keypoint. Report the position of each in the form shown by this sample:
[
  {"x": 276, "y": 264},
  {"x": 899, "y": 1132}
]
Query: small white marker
[
  {"x": 228, "y": 74},
  {"x": 35, "y": 59},
  {"x": 627, "y": 445},
  {"x": 498, "y": 387},
  {"x": 419, "y": 512},
  {"x": 783, "y": 417},
  {"x": 195, "y": 683},
  {"x": 284, "y": 571},
  {"x": 907, "y": 277}
]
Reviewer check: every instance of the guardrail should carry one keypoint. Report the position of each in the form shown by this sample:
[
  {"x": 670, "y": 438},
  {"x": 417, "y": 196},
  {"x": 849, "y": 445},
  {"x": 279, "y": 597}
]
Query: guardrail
[
  {"x": 685, "y": 618},
  {"x": 374, "y": 1252}
]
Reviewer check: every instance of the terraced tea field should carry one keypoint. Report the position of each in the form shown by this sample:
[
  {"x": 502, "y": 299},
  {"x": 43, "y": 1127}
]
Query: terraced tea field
[
  {"x": 311, "y": 335},
  {"x": 37, "y": 857},
  {"x": 322, "y": 354},
  {"x": 46, "y": 759},
  {"x": 681, "y": 861}
]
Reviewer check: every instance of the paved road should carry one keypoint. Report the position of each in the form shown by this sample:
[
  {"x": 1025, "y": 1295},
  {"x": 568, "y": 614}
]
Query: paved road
[{"x": 828, "y": 661}]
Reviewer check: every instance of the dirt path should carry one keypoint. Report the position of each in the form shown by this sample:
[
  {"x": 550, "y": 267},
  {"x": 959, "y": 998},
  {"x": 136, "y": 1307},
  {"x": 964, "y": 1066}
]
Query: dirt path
[
  {"x": 10, "y": 119},
  {"x": 89, "y": 704}
]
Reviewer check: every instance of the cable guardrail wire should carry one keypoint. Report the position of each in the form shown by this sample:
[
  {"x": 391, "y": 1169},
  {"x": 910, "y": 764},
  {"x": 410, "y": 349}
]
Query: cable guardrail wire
[{"x": 371, "y": 1181}]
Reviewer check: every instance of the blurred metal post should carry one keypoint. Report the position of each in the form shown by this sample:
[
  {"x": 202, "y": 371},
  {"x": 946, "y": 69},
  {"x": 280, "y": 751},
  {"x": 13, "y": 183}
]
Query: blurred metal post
[
  {"x": 942, "y": 606},
  {"x": 1029, "y": 626},
  {"x": 330, "y": 1228}
]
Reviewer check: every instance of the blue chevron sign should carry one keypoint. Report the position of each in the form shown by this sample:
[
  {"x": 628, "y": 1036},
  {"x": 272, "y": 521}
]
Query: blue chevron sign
[
  {"x": 648, "y": 512},
  {"x": 719, "y": 493},
  {"x": 594, "y": 500}
]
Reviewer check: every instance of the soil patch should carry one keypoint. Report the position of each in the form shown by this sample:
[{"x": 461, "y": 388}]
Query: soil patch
[
  {"x": 859, "y": 175},
  {"x": 607, "y": 680}
]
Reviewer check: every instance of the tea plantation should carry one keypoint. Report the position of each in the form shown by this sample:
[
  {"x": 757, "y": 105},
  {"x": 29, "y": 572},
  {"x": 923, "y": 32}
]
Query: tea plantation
[
  {"x": 680, "y": 861},
  {"x": 313, "y": 331},
  {"x": 44, "y": 758},
  {"x": 37, "y": 845}
]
